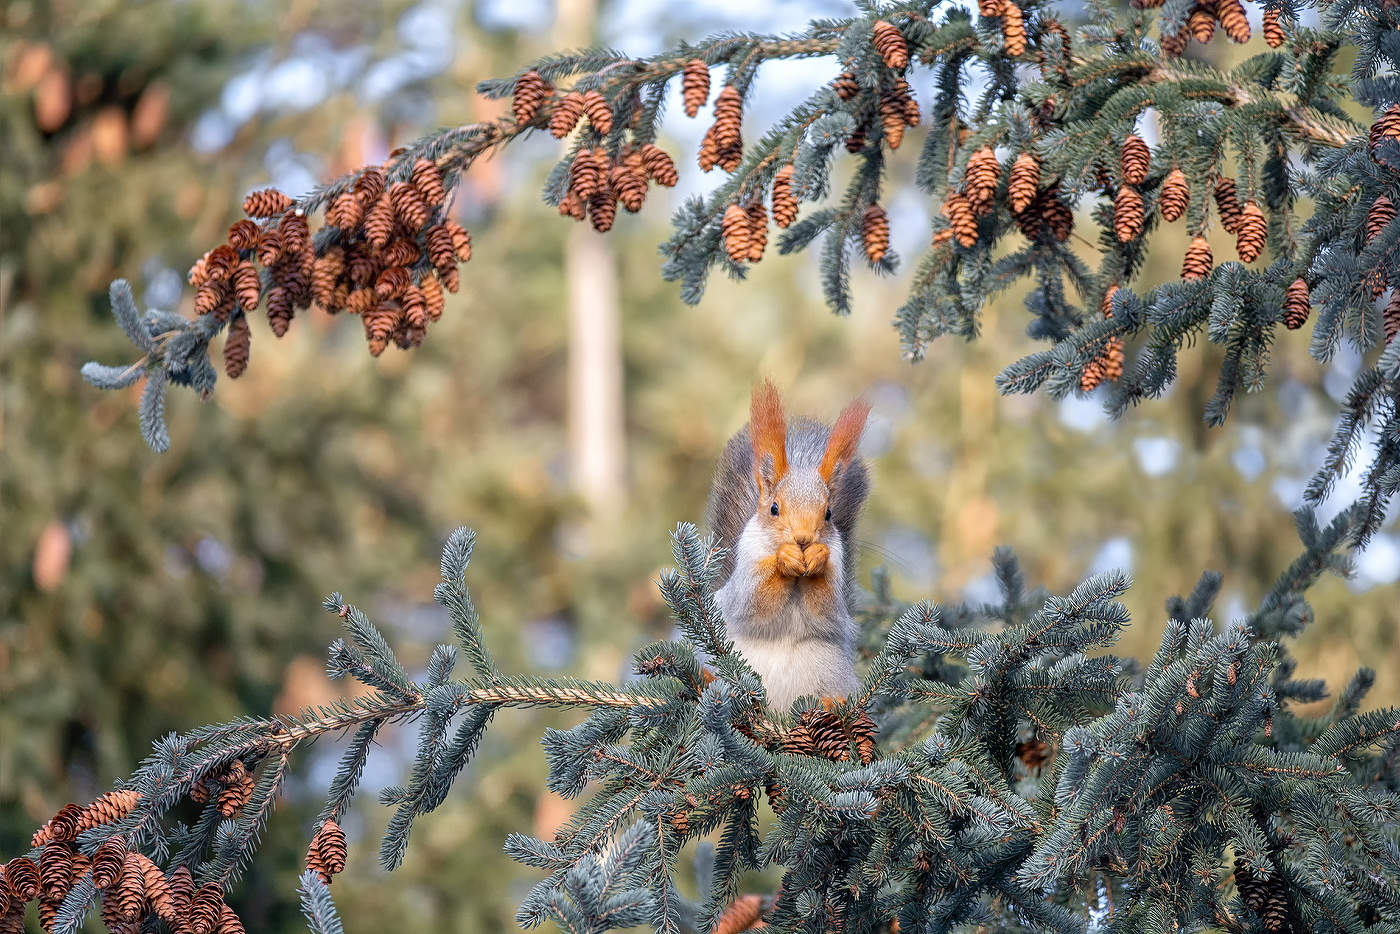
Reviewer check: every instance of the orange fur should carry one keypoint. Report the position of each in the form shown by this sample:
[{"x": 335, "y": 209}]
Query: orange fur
[
  {"x": 768, "y": 430},
  {"x": 844, "y": 438}
]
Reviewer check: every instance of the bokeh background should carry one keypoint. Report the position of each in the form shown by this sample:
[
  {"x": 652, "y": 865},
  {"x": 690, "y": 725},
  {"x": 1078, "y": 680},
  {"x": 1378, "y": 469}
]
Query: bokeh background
[{"x": 569, "y": 407}]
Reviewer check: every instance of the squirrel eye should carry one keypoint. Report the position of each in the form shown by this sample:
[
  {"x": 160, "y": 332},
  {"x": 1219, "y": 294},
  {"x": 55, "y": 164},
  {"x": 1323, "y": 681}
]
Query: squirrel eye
[
  {"x": 828, "y": 514},
  {"x": 773, "y": 509}
]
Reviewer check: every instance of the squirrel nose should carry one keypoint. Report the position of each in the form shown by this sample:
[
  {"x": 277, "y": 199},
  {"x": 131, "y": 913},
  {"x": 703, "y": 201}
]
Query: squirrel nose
[{"x": 803, "y": 539}]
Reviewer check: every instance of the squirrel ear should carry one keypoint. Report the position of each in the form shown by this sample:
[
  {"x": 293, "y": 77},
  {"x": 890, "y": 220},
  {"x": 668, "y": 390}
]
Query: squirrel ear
[
  {"x": 841, "y": 444},
  {"x": 767, "y": 434}
]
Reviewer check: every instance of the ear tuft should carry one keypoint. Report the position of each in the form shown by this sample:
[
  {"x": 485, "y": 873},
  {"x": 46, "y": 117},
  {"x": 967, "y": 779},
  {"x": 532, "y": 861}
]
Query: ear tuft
[
  {"x": 844, "y": 439},
  {"x": 767, "y": 430}
]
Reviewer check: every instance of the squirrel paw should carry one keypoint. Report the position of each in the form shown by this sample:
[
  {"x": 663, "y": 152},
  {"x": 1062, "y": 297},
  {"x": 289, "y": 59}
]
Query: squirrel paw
[
  {"x": 790, "y": 561},
  {"x": 816, "y": 557}
]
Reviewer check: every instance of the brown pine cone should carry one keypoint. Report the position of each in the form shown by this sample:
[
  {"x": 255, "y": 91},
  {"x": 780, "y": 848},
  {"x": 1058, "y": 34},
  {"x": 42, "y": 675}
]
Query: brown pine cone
[
  {"x": 331, "y": 846},
  {"x": 369, "y": 186},
  {"x": 1023, "y": 181},
  {"x": 858, "y": 138},
  {"x": 892, "y": 119},
  {"x": 1175, "y": 195},
  {"x": 204, "y": 908},
  {"x": 845, "y": 85},
  {"x": 1134, "y": 159},
  {"x": 530, "y": 92},
  {"x": 325, "y": 276},
  {"x": 1273, "y": 29},
  {"x": 1390, "y": 317},
  {"x": 433, "y": 298},
  {"x": 408, "y": 206},
  {"x": 1091, "y": 376},
  {"x": 875, "y": 233},
  {"x": 22, "y": 878},
  {"x": 784, "y": 202},
  {"x": 1297, "y": 304},
  {"x": 247, "y": 286},
  {"x": 629, "y": 186},
  {"x": 440, "y": 250},
  {"x": 659, "y": 166},
  {"x": 379, "y": 223},
  {"x": 131, "y": 887},
  {"x": 1200, "y": 22},
  {"x": 461, "y": 240},
  {"x": 744, "y": 915},
  {"x": 61, "y": 828},
  {"x": 571, "y": 205},
  {"x": 595, "y": 106},
  {"x": 961, "y": 219},
  {"x": 889, "y": 42},
  {"x": 295, "y": 232},
  {"x": 270, "y": 247},
  {"x": 981, "y": 175},
  {"x": 566, "y": 114},
  {"x": 380, "y": 324},
  {"x": 1145, "y": 4},
  {"x": 1387, "y": 126},
  {"x": 758, "y": 230},
  {"x": 1253, "y": 230},
  {"x": 345, "y": 212},
  {"x": 1127, "y": 214},
  {"x": 392, "y": 282},
  {"x": 1227, "y": 201},
  {"x": 585, "y": 174},
  {"x": 734, "y": 227},
  {"x": 729, "y": 114},
  {"x": 1034, "y": 753},
  {"x": 709, "y": 151},
  {"x": 265, "y": 203},
  {"x": 55, "y": 869},
  {"x": 107, "y": 861},
  {"x": 1106, "y": 305},
  {"x": 279, "y": 316},
  {"x": 695, "y": 86},
  {"x": 1380, "y": 215},
  {"x": 229, "y": 922},
  {"x": 1198, "y": 261},
  {"x": 602, "y": 210},
  {"x": 243, "y": 235},
  {"x": 1174, "y": 44},
  {"x": 906, "y": 96},
  {"x": 236, "y": 347},
  {"x": 427, "y": 178},
  {"x": 1013, "y": 29},
  {"x": 1113, "y": 359},
  {"x": 1233, "y": 20},
  {"x": 990, "y": 8}
]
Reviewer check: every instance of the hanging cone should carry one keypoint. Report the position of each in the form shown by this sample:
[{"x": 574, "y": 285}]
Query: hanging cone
[
  {"x": 1229, "y": 206},
  {"x": 875, "y": 233},
  {"x": 1134, "y": 159},
  {"x": 1273, "y": 29},
  {"x": 1175, "y": 195},
  {"x": 1200, "y": 22},
  {"x": 758, "y": 230},
  {"x": 1380, "y": 215},
  {"x": 784, "y": 202},
  {"x": 695, "y": 86},
  {"x": 961, "y": 219},
  {"x": 845, "y": 85},
  {"x": 889, "y": 42},
  {"x": 1013, "y": 29},
  {"x": 734, "y": 228},
  {"x": 1127, "y": 214},
  {"x": 530, "y": 92},
  {"x": 1296, "y": 304},
  {"x": 1198, "y": 261},
  {"x": 1233, "y": 20},
  {"x": 1022, "y": 183},
  {"x": 980, "y": 178},
  {"x": 1390, "y": 318},
  {"x": 1253, "y": 230},
  {"x": 566, "y": 115}
]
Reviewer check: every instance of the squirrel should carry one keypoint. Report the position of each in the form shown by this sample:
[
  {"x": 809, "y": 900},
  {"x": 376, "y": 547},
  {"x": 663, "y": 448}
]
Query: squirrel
[{"x": 784, "y": 504}]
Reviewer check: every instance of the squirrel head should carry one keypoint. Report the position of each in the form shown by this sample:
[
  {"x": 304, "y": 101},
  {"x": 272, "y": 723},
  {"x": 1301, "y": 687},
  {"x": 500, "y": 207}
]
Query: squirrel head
[{"x": 794, "y": 498}]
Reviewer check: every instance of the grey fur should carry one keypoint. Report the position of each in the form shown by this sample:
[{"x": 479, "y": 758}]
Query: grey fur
[{"x": 734, "y": 496}]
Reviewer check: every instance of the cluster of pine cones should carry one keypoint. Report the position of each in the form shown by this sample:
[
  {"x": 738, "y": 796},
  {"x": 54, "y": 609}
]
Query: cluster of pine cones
[
  {"x": 132, "y": 887},
  {"x": 1386, "y": 129},
  {"x": 230, "y": 789},
  {"x": 1205, "y": 14},
  {"x": 1267, "y": 898}
]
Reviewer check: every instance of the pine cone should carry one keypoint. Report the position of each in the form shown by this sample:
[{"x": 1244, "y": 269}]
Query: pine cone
[
  {"x": 1253, "y": 230},
  {"x": 392, "y": 282},
  {"x": 1382, "y": 212},
  {"x": 325, "y": 276},
  {"x": 247, "y": 286},
  {"x": 1034, "y": 753},
  {"x": 107, "y": 861},
  {"x": 408, "y": 206},
  {"x": 585, "y": 174},
  {"x": 989, "y": 8},
  {"x": 1390, "y": 317},
  {"x": 461, "y": 240},
  {"x": 758, "y": 230},
  {"x": 1013, "y": 29},
  {"x": 236, "y": 347},
  {"x": 1021, "y": 185},
  {"x": 1273, "y": 29},
  {"x": 296, "y": 233},
  {"x": 1091, "y": 376},
  {"x": 530, "y": 92},
  {"x": 566, "y": 114},
  {"x": 659, "y": 166},
  {"x": 784, "y": 202},
  {"x": 345, "y": 212},
  {"x": 889, "y": 42},
  {"x": 1134, "y": 159},
  {"x": 441, "y": 252},
  {"x": 892, "y": 119},
  {"x": 1297, "y": 304},
  {"x": 905, "y": 94},
  {"x": 845, "y": 85},
  {"x": 265, "y": 203},
  {"x": 22, "y": 878},
  {"x": 1200, "y": 22},
  {"x": 961, "y": 219},
  {"x": 279, "y": 316},
  {"x": 1106, "y": 305},
  {"x": 1174, "y": 44},
  {"x": 858, "y": 138},
  {"x": 1198, "y": 262},
  {"x": 204, "y": 908},
  {"x": 55, "y": 870},
  {"x": 729, "y": 115},
  {"x": 379, "y": 223},
  {"x": 735, "y": 229},
  {"x": 243, "y": 235},
  {"x": 1233, "y": 20},
  {"x": 369, "y": 187},
  {"x": 380, "y": 325},
  {"x": 1387, "y": 126},
  {"x": 695, "y": 86},
  {"x": 1146, "y": 4},
  {"x": 981, "y": 175},
  {"x": 1175, "y": 195},
  {"x": 595, "y": 106},
  {"x": 602, "y": 210},
  {"x": 743, "y": 915},
  {"x": 62, "y": 827},
  {"x": 1112, "y": 359},
  {"x": 229, "y": 922},
  {"x": 433, "y": 299},
  {"x": 1127, "y": 214},
  {"x": 1226, "y": 201},
  {"x": 875, "y": 233},
  {"x": 629, "y": 186},
  {"x": 427, "y": 178},
  {"x": 709, "y": 151}
]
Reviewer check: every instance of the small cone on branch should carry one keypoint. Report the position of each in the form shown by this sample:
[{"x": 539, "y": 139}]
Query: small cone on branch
[
  {"x": 1380, "y": 215},
  {"x": 892, "y": 119},
  {"x": 461, "y": 240},
  {"x": 1390, "y": 317},
  {"x": 1106, "y": 306},
  {"x": 629, "y": 186},
  {"x": 729, "y": 115},
  {"x": 265, "y": 203},
  {"x": 566, "y": 115},
  {"x": 22, "y": 878},
  {"x": 595, "y": 107},
  {"x": 1387, "y": 126},
  {"x": 695, "y": 86},
  {"x": 1175, "y": 195},
  {"x": 236, "y": 347},
  {"x": 408, "y": 206},
  {"x": 875, "y": 233},
  {"x": 709, "y": 151},
  {"x": 530, "y": 92},
  {"x": 660, "y": 168},
  {"x": 784, "y": 202},
  {"x": 345, "y": 212},
  {"x": 990, "y": 8},
  {"x": 243, "y": 235},
  {"x": 602, "y": 210},
  {"x": 1253, "y": 229},
  {"x": 906, "y": 96},
  {"x": 247, "y": 286},
  {"x": 433, "y": 298},
  {"x": 1024, "y": 179},
  {"x": 1200, "y": 22},
  {"x": 1233, "y": 20},
  {"x": 55, "y": 869},
  {"x": 1198, "y": 261},
  {"x": 1134, "y": 159},
  {"x": 961, "y": 219},
  {"x": 427, "y": 178},
  {"x": 758, "y": 230},
  {"x": 983, "y": 171},
  {"x": 1127, "y": 214},
  {"x": 889, "y": 42},
  {"x": 107, "y": 862},
  {"x": 279, "y": 317},
  {"x": 1297, "y": 304},
  {"x": 1273, "y": 29},
  {"x": 1091, "y": 376},
  {"x": 204, "y": 908},
  {"x": 1013, "y": 29},
  {"x": 1174, "y": 43},
  {"x": 1227, "y": 202},
  {"x": 858, "y": 138},
  {"x": 1146, "y": 4},
  {"x": 743, "y": 915},
  {"x": 369, "y": 185},
  {"x": 845, "y": 85},
  {"x": 585, "y": 174},
  {"x": 62, "y": 827},
  {"x": 734, "y": 227}
]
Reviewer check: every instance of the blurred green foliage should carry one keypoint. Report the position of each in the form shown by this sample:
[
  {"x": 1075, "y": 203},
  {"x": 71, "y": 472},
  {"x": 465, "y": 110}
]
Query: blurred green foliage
[{"x": 143, "y": 593}]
